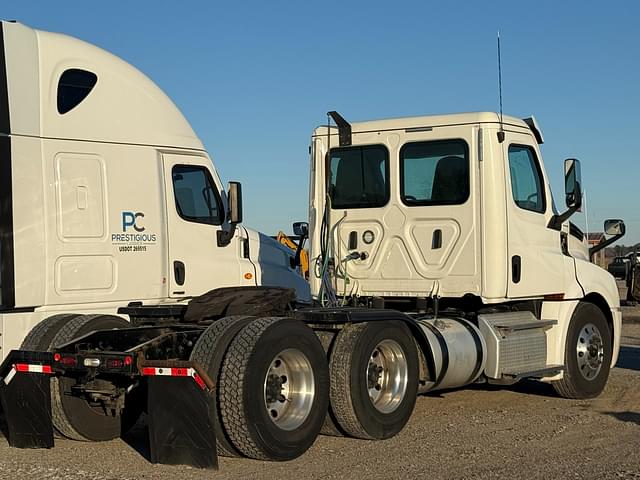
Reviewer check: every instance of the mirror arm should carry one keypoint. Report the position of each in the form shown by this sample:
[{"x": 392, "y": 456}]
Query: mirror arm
[
  {"x": 295, "y": 261},
  {"x": 596, "y": 248},
  {"x": 225, "y": 236},
  {"x": 557, "y": 220}
]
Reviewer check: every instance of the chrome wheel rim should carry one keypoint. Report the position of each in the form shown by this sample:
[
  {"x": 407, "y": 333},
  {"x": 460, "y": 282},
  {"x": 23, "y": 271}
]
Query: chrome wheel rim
[
  {"x": 289, "y": 389},
  {"x": 590, "y": 351},
  {"x": 387, "y": 376}
]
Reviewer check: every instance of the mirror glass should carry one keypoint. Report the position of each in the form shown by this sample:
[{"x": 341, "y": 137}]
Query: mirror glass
[
  {"x": 235, "y": 202},
  {"x": 301, "y": 229},
  {"x": 572, "y": 183},
  {"x": 614, "y": 227}
]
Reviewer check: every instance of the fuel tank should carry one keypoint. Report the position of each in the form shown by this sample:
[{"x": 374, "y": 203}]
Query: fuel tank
[{"x": 459, "y": 352}]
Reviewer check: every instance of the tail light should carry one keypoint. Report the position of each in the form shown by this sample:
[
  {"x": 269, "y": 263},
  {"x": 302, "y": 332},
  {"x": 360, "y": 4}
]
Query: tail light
[
  {"x": 115, "y": 363},
  {"x": 68, "y": 361}
]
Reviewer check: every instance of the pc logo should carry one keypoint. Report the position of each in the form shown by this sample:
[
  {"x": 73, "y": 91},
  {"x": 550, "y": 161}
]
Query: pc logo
[{"x": 131, "y": 219}]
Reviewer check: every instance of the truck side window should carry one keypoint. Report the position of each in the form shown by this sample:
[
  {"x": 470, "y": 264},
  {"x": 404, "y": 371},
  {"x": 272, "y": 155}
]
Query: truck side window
[
  {"x": 434, "y": 173},
  {"x": 358, "y": 177},
  {"x": 73, "y": 87},
  {"x": 526, "y": 179},
  {"x": 197, "y": 199}
]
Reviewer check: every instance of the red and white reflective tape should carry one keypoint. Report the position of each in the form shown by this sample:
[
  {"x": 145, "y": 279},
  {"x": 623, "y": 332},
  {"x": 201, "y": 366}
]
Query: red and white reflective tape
[
  {"x": 174, "y": 372},
  {"x": 26, "y": 368}
]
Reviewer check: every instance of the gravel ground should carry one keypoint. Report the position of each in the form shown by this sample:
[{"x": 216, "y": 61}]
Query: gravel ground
[{"x": 478, "y": 432}]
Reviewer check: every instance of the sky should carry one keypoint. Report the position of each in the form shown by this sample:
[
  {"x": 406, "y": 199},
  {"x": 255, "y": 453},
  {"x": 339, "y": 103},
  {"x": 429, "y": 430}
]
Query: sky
[{"x": 255, "y": 78}]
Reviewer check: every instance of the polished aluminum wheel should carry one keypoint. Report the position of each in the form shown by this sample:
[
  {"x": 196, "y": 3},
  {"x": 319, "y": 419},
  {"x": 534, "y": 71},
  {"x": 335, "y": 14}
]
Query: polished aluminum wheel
[
  {"x": 387, "y": 376},
  {"x": 289, "y": 389},
  {"x": 590, "y": 351}
]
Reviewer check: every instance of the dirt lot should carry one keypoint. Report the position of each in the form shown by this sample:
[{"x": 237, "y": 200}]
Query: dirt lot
[{"x": 480, "y": 432}]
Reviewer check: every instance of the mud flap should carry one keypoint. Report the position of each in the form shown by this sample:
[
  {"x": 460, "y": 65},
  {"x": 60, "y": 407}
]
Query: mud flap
[
  {"x": 180, "y": 409},
  {"x": 26, "y": 398}
]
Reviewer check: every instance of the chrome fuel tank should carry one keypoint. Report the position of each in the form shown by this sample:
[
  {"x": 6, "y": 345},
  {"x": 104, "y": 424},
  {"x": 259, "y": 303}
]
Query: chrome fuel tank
[{"x": 459, "y": 352}]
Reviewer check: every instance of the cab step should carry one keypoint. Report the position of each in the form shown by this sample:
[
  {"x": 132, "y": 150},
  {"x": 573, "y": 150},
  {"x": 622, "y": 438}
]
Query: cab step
[{"x": 516, "y": 343}]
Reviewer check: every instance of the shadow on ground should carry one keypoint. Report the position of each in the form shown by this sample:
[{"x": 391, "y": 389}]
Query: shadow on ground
[
  {"x": 527, "y": 387},
  {"x": 629, "y": 358},
  {"x": 138, "y": 438},
  {"x": 629, "y": 417}
]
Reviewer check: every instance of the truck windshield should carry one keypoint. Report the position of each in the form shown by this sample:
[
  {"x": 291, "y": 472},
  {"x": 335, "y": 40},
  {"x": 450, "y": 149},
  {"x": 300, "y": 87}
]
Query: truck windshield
[{"x": 359, "y": 177}]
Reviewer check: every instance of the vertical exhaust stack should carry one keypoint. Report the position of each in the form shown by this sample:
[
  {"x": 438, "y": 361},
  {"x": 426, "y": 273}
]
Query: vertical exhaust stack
[{"x": 344, "y": 128}]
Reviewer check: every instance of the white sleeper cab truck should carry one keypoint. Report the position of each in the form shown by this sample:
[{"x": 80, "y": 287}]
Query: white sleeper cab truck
[
  {"x": 111, "y": 210},
  {"x": 107, "y": 195}
]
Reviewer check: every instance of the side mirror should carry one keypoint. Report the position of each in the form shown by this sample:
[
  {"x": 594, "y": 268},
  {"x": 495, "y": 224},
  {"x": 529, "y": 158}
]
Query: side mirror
[
  {"x": 615, "y": 227},
  {"x": 234, "y": 196},
  {"x": 234, "y": 200},
  {"x": 572, "y": 193},
  {"x": 573, "y": 183},
  {"x": 301, "y": 229}
]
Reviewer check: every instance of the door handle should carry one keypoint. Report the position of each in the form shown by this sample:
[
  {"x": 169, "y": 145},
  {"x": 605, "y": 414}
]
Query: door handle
[
  {"x": 516, "y": 268},
  {"x": 179, "y": 272},
  {"x": 353, "y": 240},
  {"x": 436, "y": 239}
]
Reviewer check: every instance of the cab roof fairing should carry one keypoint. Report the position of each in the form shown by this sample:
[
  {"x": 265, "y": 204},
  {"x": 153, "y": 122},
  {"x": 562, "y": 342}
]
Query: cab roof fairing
[
  {"x": 427, "y": 121},
  {"x": 125, "y": 106}
]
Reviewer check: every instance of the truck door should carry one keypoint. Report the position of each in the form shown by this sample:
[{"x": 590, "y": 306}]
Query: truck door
[
  {"x": 536, "y": 262},
  {"x": 195, "y": 214}
]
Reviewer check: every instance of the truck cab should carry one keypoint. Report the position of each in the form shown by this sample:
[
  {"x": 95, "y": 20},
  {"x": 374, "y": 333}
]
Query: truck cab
[{"x": 454, "y": 210}]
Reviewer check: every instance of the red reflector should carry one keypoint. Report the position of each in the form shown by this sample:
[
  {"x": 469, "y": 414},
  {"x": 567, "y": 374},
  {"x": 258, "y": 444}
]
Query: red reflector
[
  {"x": 128, "y": 360},
  {"x": 115, "y": 363},
  {"x": 68, "y": 361},
  {"x": 56, "y": 357},
  {"x": 199, "y": 381},
  {"x": 148, "y": 371},
  {"x": 25, "y": 367}
]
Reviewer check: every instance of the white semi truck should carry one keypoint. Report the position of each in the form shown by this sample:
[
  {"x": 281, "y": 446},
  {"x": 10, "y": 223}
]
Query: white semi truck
[
  {"x": 438, "y": 260},
  {"x": 108, "y": 196}
]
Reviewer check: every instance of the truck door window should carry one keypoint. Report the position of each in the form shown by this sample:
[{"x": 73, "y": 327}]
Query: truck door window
[
  {"x": 526, "y": 179},
  {"x": 434, "y": 173},
  {"x": 197, "y": 199},
  {"x": 359, "y": 177}
]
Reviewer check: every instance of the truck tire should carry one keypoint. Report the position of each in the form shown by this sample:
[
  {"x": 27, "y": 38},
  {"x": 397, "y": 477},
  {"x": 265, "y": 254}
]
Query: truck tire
[
  {"x": 587, "y": 356},
  {"x": 274, "y": 389},
  {"x": 374, "y": 378},
  {"x": 40, "y": 338},
  {"x": 72, "y": 416},
  {"x": 209, "y": 352}
]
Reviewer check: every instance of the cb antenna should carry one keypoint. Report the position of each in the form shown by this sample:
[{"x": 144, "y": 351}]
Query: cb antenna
[{"x": 501, "y": 132}]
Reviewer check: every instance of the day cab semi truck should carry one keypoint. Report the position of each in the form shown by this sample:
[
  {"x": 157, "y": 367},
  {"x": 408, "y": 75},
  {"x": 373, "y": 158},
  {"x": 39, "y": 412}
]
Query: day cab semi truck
[{"x": 438, "y": 259}]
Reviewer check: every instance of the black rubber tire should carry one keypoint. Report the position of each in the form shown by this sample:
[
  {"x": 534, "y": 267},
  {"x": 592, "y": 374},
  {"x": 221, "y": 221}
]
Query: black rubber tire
[
  {"x": 40, "y": 338},
  {"x": 351, "y": 405},
  {"x": 209, "y": 352},
  {"x": 242, "y": 380},
  {"x": 573, "y": 384},
  {"x": 72, "y": 416},
  {"x": 330, "y": 426}
]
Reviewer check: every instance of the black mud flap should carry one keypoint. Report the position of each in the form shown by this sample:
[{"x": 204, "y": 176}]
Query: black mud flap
[
  {"x": 26, "y": 398},
  {"x": 180, "y": 409}
]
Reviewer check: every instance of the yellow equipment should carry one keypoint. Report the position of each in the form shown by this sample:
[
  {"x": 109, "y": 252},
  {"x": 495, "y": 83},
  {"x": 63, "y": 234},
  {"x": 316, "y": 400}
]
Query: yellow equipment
[{"x": 284, "y": 239}]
